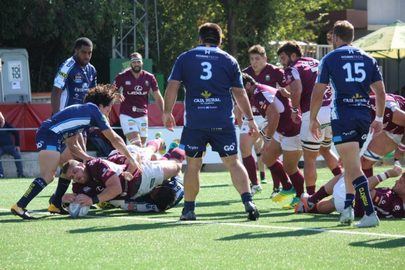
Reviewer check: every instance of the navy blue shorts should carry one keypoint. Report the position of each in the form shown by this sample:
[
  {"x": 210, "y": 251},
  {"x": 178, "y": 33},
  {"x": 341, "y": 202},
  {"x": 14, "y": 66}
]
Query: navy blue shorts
[
  {"x": 194, "y": 141},
  {"x": 47, "y": 140},
  {"x": 351, "y": 126}
]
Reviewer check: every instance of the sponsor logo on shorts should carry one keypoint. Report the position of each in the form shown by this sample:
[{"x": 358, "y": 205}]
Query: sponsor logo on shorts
[
  {"x": 40, "y": 144},
  {"x": 231, "y": 147},
  {"x": 192, "y": 147},
  {"x": 364, "y": 136},
  {"x": 350, "y": 133}
]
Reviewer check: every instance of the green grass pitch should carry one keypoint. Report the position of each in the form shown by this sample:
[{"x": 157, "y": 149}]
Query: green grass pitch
[{"x": 221, "y": 239}]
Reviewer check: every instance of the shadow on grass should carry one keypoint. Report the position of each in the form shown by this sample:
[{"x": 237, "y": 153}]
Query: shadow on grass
[
  {"x": 132, "y": 227},
  {"x": 261, "y": 235},
  {"x": 216, "y": 186},
  {"x": 312, "y": 218},
  {"x": 380, "y": 243},
  {"x": 222, "y": 203}
]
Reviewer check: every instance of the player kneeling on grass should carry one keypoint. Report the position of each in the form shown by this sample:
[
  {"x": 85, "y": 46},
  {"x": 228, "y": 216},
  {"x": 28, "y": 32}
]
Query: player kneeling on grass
[
  {"x": 388, "y": 202},
  {"x": 112, "y": 180}
]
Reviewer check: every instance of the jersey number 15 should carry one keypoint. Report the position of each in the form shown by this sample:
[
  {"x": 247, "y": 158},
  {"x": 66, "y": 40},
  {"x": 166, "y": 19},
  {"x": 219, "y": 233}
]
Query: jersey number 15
[{"x": 359, "y": 72}]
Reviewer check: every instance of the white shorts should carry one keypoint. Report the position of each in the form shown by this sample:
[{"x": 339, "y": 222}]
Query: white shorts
[
  {"x": 397, "y": 138},
  {"x": 288, "y": 143},
  {"x": 145, "y": 152},
  {"x": 130, "y": 124},
  {"x": 339, "y": 194},
  {"x": 152, "y": 176},
  {"x": 308, "y": 141},
  {"x": 260, "y": 122}
]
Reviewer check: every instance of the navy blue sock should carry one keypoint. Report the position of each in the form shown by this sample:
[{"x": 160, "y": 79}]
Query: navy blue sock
[
  {"x": 361, "y": 186},
  {"x": 63, "y": 185},
  {"x": 34, "y": 189},
  {"x": 246, "y": 197},
  {"x": 189, "y": 206},
  {"x": 349, "y": 200}
]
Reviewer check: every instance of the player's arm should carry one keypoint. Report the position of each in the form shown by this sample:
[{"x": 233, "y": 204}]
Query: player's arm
[
  {"x": 171, "y": 92},
  {"x": 273, "y": 117},
  {"x": 159, "y": 100},
  {"x": 374, "y": 180},
  {"x": 379, "y": 90},
  {"x": 73, "y": 143},
  {"x": 398, "y": 117},
  {"x": 243, "y": 103},
  {"x": 55, "y": 99},
  {"x": 315, "y": 106},
  {"x": 112, "y": 189},
  {"x": 295, "y": 89},
  {"x": 238, "y": 115}
]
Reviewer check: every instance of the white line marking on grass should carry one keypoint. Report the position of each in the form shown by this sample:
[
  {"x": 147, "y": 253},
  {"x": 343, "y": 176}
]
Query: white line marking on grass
[{"x": 244, "y": 225}]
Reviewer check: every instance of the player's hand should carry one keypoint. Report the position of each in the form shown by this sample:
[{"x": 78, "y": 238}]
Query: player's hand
[
  {"x": 118, "y": 97},
  {"x": 296, "y": 117},
  {"x": 284, "y": 92},
  {"x": 68, "y": 197},
  {"x": 376, "y": 127},
  {"x": 315, "y": 128},
  {"x": 396, "y": 171},
  {"x": 134, "y": 165},
  {"x": 253, "y": 129},
  {"x": 84, "y": 200},
  {"x": 168, "y": 121},
  {"x": 127, "y": 176}
]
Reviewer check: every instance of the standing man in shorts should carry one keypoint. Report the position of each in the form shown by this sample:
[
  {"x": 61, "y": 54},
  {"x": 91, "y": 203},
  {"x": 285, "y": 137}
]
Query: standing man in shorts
[
  {"x": 135, "y": 84},
  {"x": 210, "y": 76},
  {"x": 352, "y": 73}
]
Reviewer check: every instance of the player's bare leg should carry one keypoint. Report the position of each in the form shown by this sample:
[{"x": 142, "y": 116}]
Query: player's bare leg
[
  {"x": 291, "y": 159},
  {"x": 240, "y": 180},
  {"x": 310, "y": 174},
  {"x": 191, "y": 187},
  {"x": 134, "y": 138},
  {"x": 332, "y": 161},
  {"x": 258, "y": 146}
]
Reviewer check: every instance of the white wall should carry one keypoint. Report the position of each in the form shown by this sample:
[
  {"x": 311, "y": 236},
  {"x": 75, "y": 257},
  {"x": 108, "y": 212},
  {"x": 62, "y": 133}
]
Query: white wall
[{"x": 383, "y": 12}]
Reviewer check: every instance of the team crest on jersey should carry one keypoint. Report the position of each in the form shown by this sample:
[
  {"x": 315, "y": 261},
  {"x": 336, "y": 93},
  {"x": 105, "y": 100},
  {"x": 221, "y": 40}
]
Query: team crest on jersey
[
  {"x": 78, "y": 78},
  {"x": 267, "y": 78},
  {"x": 147, "y": 83},
  {"x": 127, "y": 82}
]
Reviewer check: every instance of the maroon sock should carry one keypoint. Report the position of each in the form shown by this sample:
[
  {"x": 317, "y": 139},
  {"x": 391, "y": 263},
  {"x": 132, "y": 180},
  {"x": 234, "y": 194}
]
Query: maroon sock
[
  {"x": 368, "y": 172},
  {"x": 262, "y": 175},
  {"x": 250, "y": 165},
  {"x": 319, "y": 195},
  {"x": 297, "y": 180},
  {"x": 337, "y": 171},
  {"x": 279, "y": 176},
  {"x": 311, "y": 189}
]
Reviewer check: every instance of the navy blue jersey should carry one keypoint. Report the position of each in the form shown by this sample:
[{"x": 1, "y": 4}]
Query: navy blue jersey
[
  {"x": 75, "y": 81},
  {"x": 350, "y": 71},
  {"x": 74, "y": 119},
  {"x": 208, "y": 73}
]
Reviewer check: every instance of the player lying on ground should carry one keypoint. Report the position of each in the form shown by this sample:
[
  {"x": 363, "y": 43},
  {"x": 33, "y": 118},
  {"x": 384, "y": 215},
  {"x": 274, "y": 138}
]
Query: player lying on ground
[
  {"x": 388, "y": 202},
  {"x": 392, "y": 137},
  {"x": 113, "y": 179},
  {"x": 66, "y": 127}
]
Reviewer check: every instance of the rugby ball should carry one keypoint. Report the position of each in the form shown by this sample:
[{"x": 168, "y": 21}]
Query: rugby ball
[{"x": 77, "y": 210}]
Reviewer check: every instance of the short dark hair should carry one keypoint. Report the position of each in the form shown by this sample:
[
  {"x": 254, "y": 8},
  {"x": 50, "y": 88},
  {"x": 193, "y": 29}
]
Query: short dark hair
[
  {"x": 289, "y": 48},
  {"x": 163, "y": 197},
  {"x": 257, "y": 49},
  {"x": 344, "y": 30},
  {"x": 83, "y": 41},
  {"x": 247, "y": 79},
  {"x": 101, "y": 94},
  {"x": 210, "y": 33}
]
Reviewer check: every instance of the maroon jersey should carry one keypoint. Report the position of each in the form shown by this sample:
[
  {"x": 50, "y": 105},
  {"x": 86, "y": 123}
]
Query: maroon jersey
[
  {"x": 263, "y": 96},
  {"x": 136, "y": 92},
  {"x": 99, "y": 171},
  {"x": 305, "y": 69},
  {"x": 386, "y": 202},
  {"x": 392, "y": 103}
]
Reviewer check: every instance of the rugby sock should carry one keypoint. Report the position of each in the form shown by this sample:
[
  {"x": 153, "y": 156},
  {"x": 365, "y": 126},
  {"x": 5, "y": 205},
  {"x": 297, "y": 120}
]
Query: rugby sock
[
  {"x": 246, "y": 197},
  {"x": 368, "y": 172},
  {"x": 311, "y": 189},
  {"x": 250, "y": 165},
  {"x": 279, "y": 176},
  {"x": 262, "y": 175},
  {"x": 337, "y": 171},
  {"x": 297, "y": 180},
  {"x": 63, "y": 185},
  {"x": 189, "y": 206},
  {"x": 33, "y": 190},
  {"x": 361, "y": 186},
  {"x": 319, "y": 195},
  {"x": 349, "y": 200}
]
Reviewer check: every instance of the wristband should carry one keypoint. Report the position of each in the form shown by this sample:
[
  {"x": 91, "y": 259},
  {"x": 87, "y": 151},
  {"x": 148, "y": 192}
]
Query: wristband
[
  {"x": 378, "y": 119},
  {"x": 401, "y": 147},
  {"x": 294, "y": 110},
  {"x": 397, "y": 163},
  {"x": 382, "y": 176},
  {"x": 95, "y": 199}
]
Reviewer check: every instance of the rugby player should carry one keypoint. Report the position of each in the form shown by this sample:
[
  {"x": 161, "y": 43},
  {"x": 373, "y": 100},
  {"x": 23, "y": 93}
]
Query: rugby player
[
  {"x": 65, "y": 127},
  {"x": 352, "y": 73},
  {"x": 135, "y": 84},
  {"x": 300, "y": 75},
  {"x": 210, "y": 76}
]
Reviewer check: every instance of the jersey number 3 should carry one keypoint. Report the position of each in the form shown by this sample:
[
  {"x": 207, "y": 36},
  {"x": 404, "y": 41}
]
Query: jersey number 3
[
  {"x": 207, "y": 73},
  {"x": 359, "y": 72}
]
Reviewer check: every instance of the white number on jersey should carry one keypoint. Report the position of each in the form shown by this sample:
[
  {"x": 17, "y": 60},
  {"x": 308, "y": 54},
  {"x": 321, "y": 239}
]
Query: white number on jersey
[
  {"x": 207, "y": 74},
  {"x": 359, "y": 72}
]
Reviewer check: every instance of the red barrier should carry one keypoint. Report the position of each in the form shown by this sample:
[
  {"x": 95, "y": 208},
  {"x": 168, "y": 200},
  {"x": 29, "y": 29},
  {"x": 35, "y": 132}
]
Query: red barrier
[{"x": 30, "y": 115}]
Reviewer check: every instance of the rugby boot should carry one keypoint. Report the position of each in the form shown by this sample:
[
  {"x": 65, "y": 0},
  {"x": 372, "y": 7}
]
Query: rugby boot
[
  {"x": 368, "y": 221},
  {"x": 347, "y": 216},
  {"x": 256, "y": 189},
  {"x": 190, "y": 215},
  {"x": 294, "y": 202},
  {"x": 283, "y": 195},
  {"x": 53, "y": 209},
  {"x": 21, "y": 212},
  {"x": 251, "y": 209}
]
